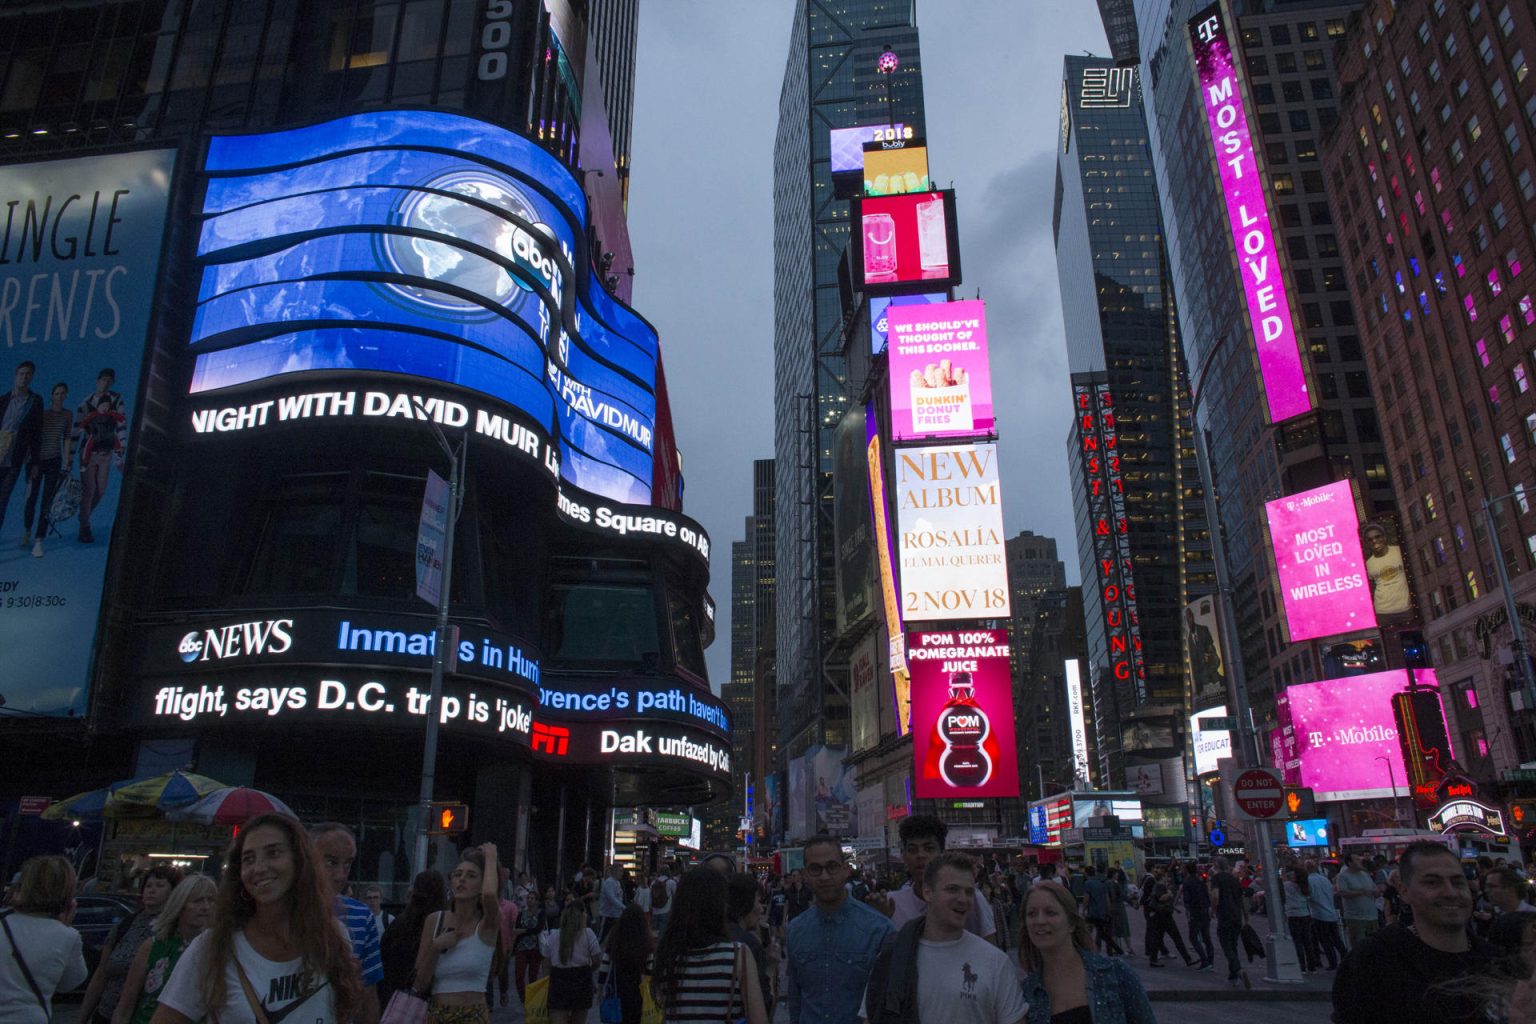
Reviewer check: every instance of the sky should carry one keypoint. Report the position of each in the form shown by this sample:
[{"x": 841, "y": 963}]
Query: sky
[{"x": 701, "y": 222}]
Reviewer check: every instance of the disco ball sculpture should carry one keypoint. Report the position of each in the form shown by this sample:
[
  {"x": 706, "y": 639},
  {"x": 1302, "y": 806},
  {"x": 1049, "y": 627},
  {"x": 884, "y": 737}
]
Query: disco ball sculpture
[{"x": 889, "y": 62}]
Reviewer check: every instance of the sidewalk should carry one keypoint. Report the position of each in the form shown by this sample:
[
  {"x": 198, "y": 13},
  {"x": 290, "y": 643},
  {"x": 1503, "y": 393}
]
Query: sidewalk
[{"x": 1177, "y": 983}]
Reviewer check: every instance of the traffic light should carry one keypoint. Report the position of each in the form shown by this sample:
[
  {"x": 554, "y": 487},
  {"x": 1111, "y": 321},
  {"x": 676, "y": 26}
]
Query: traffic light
[
  {"x": 446, "y": 819},
  {"x": 1300, "y": 802}
]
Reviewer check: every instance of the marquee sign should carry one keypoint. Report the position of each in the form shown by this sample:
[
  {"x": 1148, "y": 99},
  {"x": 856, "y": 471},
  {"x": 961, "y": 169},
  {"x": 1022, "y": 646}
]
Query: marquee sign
[{"x": 1467, "y": 816}]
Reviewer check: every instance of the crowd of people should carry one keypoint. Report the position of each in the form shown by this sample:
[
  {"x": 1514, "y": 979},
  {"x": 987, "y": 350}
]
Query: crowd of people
[{"x": 277, "y": 936}]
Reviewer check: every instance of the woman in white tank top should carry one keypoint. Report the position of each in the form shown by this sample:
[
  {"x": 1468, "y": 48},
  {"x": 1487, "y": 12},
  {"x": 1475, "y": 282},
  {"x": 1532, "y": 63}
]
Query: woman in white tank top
[{"x": 458, "y": 944}]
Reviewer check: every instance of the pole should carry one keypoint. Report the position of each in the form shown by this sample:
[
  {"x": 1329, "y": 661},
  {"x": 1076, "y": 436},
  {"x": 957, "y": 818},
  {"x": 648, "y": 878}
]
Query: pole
[
  {"x": 1249, "y": 753},
  {"x": 560, "y": 844},
  {"x": 1040, "y": 774},
  {"x": 440, "y": 644},
  {"x": 1392, "y": 782},
  {"x": 1516, "y": 631}
]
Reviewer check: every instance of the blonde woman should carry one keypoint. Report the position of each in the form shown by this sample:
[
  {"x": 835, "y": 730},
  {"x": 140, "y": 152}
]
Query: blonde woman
[
  {"x": 40, "y": 953},
  {"x": 458, "y": 944},
  {"x": 183, "y": 917}
]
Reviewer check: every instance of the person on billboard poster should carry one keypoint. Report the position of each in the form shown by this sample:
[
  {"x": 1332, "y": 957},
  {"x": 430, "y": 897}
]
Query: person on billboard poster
[
  {"x": 1384, "y": 566},
  {"x": 21, "y": 422},
  {"x": 48, "y": 471},
  {"x": 101, "y": 433},
  {"x": 1204, "y": 657}
]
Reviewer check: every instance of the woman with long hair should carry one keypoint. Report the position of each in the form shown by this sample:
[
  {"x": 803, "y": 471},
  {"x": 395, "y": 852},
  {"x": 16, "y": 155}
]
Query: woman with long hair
[
  {"x": 573, "y": 953},
  {"x": 106, "y": 986},
  {"x": 35, "y": 932},
  {"x": 274, "y": 948},
  {"x": 1067, "y": 982},
  {"x": 1298, "y": 918},
  {"x": 700, "y": 974},
  {"x": 458, "y": 944},
  {"x": 629, "y": 947},
  {"x": 402, "y": 939},
  {"x": 183, "y": 917}
]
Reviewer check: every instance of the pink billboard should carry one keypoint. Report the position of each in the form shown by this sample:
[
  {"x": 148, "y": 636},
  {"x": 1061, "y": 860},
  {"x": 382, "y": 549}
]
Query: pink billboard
[
  {"x": 905, "y": 239},
  {"x": 1269, "y": 303},
  {"x": 962, "y": 714},
  {"x": 1323, "y": 582},
  {"x": 941, "y": 382},
  {"x": 1341, "y": 728}
]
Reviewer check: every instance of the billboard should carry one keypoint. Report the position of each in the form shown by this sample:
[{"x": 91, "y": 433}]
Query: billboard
[
  {"x": 79, "y": 260},
  {"x": 895, "y": 168},
  {"x": 823, "y": 794},
  {"x": 1340, "y": 728},
  {"x": 885, "y": 564},
  {"x": 950, "y": 516},
  {"x": 1202, "y": 642},
  {"x": 851, "y": 525},
  {"x": 1270, "y": 317},
  {"x": 1087, "y": 806},
  {"x": 963, "y": 742},
  {"x": 905, "y": 240},
  {"x": 1048, "y": 817},
  {"x": 1316, "y": 541},
  {"x": 1211, "y": 745},
  {"x": 427, "y": 245},
  {"x": 845, "y": 146},
  {"x": 1077, "y": 722},
  {"x": 1391, "y": 590},
  {"x": 879, "y": 319},
  {"x": 1307, "y": 832},
  {"x": 941, "y": 380},
  {"x": 864, "y": 692}
]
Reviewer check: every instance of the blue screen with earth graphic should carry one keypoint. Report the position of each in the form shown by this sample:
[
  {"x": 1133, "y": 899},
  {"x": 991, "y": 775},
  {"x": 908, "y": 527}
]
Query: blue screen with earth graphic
[{"x": 428, "y": 245}]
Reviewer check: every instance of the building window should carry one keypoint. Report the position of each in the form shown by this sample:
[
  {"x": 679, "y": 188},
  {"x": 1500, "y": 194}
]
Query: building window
[
  {"x": 1507, "y": 443},
  {"x": 1518, "y": 66},
  {"x": 1472, "y": 589},
  {"x": 1300, "y": 121},
  {"x": 1470, "y": 304},
  {"x": 1468, "y": 195},
  {"x": 1500, "y": 94},
  {"x": 1450, "y": 44},
  {"x": 1512, "y": 137},
  {"x": 1507, "y": 328},
  {"x": 1474, "y": 128},
  {"x": 1512, "y": 261},
  {"x": 1498, "y": 217},
  {"x": 1527, "y": 310},
  {"x": 1423, "y": 32},
  {"x": 1433, "y": 71},
  {"x": 1495, "y": 287},
  {"x": 1455, "y": 151},
  {"x": 1485, "y": 50},
  {"x": 1521, "y": 384},
  {"x": 1482, "y": 352},
  {"x": 1506, "y": 21},
  {"x": 1494, "y": 400}
]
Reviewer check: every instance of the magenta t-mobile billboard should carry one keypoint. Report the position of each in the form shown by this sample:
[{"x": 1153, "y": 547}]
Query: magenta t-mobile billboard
[
  {"x": 1323, "y": 583},
  {"x": 941, "y": 384},
  {"x": 1269, "y": 303}
]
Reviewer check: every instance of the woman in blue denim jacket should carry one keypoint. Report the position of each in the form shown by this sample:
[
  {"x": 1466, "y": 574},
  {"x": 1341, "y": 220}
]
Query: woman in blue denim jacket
[{"x": 1068, "y": 983}]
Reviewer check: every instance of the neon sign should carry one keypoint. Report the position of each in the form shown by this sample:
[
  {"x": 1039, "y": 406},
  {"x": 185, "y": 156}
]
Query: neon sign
[
  {"x": 1269, "y": 304},
  {"x": 1099, "y": 447},
  {"x": 1467, "y": 815}
]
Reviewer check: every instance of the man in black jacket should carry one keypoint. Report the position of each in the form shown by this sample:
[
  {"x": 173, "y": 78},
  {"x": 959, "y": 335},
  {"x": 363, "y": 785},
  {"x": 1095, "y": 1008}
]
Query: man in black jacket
[{"x": 21, "y": 420}]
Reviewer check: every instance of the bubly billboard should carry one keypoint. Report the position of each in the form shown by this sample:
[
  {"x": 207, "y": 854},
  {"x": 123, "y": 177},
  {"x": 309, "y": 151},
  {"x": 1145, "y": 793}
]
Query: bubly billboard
[
  {"x": 892, "y": 168},
  {"x": 1339, "y": 729},
  {"x": 426, "y": 245},
  {"x": 949, "y": 516},
  {"x": 941, "y": 380},
  {"x": 1323, "y": 581},
  {"x": 963, "y": 741},
  {"x": 905, "y": 240},
  {"x": 1270, "y": 316},
  {"x": 80, "y": 245}
]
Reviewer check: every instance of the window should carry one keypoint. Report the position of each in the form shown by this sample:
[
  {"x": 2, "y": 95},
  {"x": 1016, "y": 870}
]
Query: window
[
  {"x": 1423, "y": 32},
  {"x": 1522, "y": 385},
  {"x": 1498, "y": 217},
  {"x": 1482, "y": 351},
  {"x": 1506, "y": 21},
  {"x": 1495, "y": 286},
  {"x": 1292, "y": 93},
  {"x": 1285, "y": 63},
  {"x": 1527, "y": 310},
  {"x": 1450, "y": 44},
  {"x": 1485, "y": 171},
  {"x": 602, "y": 613},
  {"x": 1518, "y": 66},
  {"x": 1485, "y": 50},
  {"x": 1433, "y": 71},
  {"x": 1512, "y": 137},
  {"x": 1308, "y": 31},
  {"x": 1474, "y": 128},
  {"x": 1300, "y": 120},
  {"x": 1445, "y": 113},
  {"x": 1468, "y": 195},
  {"x": 1456, "y": 153},
  {"x": 1500, "y": 95},
  {"x": 1283, "y": 184},
  {"x": 1264, "y": 93},
  {"x": 1336, "y": 27},
  {"x": 1313, "y": 59},
  {"x": 1279, "y": 35},
  {"x": 1512, "y": 261},
  {"x": 1470, "y": 304},
  {"x": 1527, "y": 188},
  {"x": 1507, "y": 443},
  {"x": 1507, "y": 328}
]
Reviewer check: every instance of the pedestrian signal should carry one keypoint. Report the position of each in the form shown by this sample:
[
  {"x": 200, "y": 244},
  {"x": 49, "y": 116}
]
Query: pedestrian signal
[{"x": 446, "y": 819}]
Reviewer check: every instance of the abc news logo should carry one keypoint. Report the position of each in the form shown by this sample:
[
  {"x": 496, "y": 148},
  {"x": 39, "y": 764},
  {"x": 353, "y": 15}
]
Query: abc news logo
[{"x": 240, "y": 639}]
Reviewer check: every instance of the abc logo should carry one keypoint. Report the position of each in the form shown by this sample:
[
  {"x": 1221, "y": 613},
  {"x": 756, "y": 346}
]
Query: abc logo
[{"x": 191, "y": 646}]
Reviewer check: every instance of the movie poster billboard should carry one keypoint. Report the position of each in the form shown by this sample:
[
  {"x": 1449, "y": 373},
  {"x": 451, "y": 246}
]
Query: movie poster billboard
[
  {"x": 1316, "y": 540},
  {"x": 864, "y": 692},
  {"x": 852, "y": 527},
  {"x": 963, "y": 741},
  {"x": 949, "y": 517},
  {"x": 79, "y": 260},
  {"x": 1202, "y": 640},
  {"x": 940, "y": 377}
]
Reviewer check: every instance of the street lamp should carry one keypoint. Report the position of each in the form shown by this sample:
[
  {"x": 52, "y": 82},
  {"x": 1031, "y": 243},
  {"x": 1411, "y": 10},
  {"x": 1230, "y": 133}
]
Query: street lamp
[
  {"x": 1516, "y": 633},
  {"x": 1392, "y": 783}
]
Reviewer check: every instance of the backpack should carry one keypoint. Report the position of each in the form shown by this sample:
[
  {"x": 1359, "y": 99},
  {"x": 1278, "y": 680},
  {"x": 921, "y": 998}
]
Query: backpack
[{"x": 658, "y": 895}]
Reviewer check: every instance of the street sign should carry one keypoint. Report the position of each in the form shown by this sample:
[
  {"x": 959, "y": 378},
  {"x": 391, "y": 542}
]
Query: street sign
[
  {"x": 447, "y": 819},
  {"x": 1518, "y": 775},
  {"x": 864, "y": 843},
  {"x": 1214, "y": 723},
  {"x": 1257, "y": 794},
  {"x": 1300, "y": 803},
  {"x": 31, "y": 805}
]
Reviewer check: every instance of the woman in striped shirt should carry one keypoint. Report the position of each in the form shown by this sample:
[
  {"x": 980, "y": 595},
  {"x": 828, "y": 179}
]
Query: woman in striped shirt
[{"x": 700, "y": 975}]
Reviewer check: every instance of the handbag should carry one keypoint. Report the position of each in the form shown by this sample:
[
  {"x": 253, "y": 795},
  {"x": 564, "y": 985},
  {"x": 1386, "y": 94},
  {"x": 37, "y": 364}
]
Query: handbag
[
  {"x": 736, "y": 971},
  {"x": 610, "y": 1010},
  {"x": 407, "y": 1005},
  {"x": 66, "y": 501},
  {"x": 26, "y": 972}
]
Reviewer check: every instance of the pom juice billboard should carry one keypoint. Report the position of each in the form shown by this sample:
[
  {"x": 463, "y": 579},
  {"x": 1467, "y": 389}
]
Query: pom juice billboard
[
  {"x": 80, "y": 245},
  {"x": 1316, "y": 541},
  {"x": 963, "y": 741},
  {"x": 941, "y": 381}
]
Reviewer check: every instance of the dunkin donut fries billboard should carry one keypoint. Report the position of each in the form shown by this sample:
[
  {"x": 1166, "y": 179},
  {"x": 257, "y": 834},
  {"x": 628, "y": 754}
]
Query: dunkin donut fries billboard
[{"x": 941, "y": 380}]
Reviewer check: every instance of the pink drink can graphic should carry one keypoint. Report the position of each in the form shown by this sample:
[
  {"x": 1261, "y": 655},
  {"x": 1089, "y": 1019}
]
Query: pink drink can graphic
[
  {"x": 932, "y": 236},
  {"x": 879, "y": 245}
]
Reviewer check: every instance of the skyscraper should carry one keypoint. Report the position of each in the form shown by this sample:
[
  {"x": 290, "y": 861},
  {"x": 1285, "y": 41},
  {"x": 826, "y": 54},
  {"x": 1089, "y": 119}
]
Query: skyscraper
[
  {"x": 831, "y": 81},
  {"x": 1142, "y": 543},
  {"x": 1036, "y": 579}
]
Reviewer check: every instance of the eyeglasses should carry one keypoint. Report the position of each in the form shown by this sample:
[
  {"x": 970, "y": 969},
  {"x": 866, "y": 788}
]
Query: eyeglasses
[{"x": 829, "y": 868}]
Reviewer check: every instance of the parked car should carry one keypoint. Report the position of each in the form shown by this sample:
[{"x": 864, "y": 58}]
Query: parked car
[{"x": 95, "y": 916}]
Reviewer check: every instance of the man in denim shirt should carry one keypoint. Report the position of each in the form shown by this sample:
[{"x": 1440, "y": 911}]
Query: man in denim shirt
[{"x": 832, "y": 945}]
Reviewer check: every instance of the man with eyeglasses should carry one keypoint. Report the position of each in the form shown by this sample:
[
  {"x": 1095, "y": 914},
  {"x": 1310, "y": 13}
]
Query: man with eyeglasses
[{"x": 832, "y": 945}]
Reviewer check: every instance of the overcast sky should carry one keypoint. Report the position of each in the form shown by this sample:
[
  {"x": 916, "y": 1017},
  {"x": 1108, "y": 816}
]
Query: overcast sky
[{"x": 701, "y": 219}]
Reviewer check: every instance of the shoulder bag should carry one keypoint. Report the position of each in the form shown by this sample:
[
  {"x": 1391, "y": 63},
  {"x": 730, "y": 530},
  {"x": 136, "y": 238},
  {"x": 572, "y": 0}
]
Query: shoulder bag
[
  {"x": 409, "y": 1005},
  {"x": 250, "y": 994},
  {"x": 738, "y": 968},
  {"x": 26, "y": 972},
  {"x": 610, "y": 1010}
]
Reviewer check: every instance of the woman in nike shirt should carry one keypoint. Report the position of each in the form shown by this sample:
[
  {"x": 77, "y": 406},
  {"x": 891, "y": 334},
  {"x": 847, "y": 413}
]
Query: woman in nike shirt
[{"x": 274, "y": 951}]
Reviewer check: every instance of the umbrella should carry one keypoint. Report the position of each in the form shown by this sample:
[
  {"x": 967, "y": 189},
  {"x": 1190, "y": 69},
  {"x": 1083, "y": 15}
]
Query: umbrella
[
  {"x": 95, "y": 803},
  {"x": 231, "y": 806},
  {"x": 160, "y": 794}
]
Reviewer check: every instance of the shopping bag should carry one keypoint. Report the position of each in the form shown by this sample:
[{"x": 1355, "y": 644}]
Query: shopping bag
[
  {"x": 650, "y": 1012},
  {"x": 405, "y": 1007},
  {"x": 536, "y": 1001},
  {"x": 66, "y": 501}
]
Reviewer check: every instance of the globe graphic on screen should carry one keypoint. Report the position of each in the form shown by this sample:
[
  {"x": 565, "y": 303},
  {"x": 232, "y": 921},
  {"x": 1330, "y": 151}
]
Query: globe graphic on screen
[{"x": 442, "y": 214}]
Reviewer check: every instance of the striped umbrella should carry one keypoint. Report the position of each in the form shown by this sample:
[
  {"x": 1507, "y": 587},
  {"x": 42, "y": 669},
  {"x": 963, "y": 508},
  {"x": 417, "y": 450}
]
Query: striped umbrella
[
  {"x": 232, "y": 805},
  {"x": 160, "y": 794},
  {"x": 91, "y": 804}
]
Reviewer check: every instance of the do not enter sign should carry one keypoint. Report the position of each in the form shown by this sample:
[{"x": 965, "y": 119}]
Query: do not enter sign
[{"x": 1258, "y": 793}]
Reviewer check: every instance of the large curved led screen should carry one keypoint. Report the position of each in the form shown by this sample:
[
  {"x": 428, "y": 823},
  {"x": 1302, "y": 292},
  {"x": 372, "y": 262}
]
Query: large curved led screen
[{"x": 428, "y": 245}]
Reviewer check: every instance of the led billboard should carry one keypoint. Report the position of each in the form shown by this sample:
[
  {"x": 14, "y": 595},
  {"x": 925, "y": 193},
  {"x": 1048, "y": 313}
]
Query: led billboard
[
  {"x": 1047, "y": 818},
  {"x": 1211, "y": 745},
  {"x": 963, "y": 740},
  {"x": 1202, "y": 642},
  {"x": 895, "y": 168},
  {"x": 79, "y": 259},
  {"x": 1391, "y": 590},
  {"x": 941, "y": 380},
  {"x": 1077, "y": 722},
  {"x": 1316, "y": 541},
  {"x": 845, "y": 146},
  {"x": 427, "y": 245},
  {"x": 949, "y": 513},
  {"x": 1340, "y": 729},
  {"x": 851, "y": 526},
  {"x": 1270, "y": 317},
  {"x": 885, "y": 565},
  {"x": 1307, "y": 832},
  {"x": 864, "y": 692},
  {"x": 879, "y": 314},
  {"x": 905, "y": 240}
]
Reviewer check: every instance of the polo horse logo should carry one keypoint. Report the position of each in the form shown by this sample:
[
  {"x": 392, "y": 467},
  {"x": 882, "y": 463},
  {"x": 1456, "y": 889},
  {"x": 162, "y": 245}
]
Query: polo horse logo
[{"x": 970, "y": 979}]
